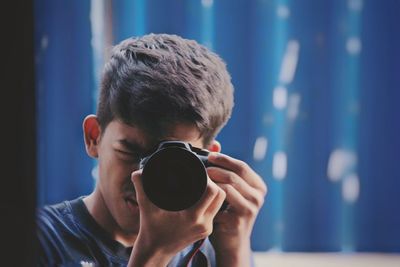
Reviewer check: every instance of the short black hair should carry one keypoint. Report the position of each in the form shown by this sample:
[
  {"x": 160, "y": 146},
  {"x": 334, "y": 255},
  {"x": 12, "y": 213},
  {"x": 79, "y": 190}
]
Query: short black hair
[{"x": 158, "y": 80}]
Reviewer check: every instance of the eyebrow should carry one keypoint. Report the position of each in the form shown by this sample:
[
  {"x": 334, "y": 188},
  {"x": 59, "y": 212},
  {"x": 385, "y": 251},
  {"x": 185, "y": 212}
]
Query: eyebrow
[{"x": 132, "y": 146}]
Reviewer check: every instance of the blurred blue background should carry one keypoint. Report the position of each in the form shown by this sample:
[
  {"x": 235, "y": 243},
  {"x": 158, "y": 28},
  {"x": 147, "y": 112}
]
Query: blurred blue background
[{"x": 317, "y": 87}]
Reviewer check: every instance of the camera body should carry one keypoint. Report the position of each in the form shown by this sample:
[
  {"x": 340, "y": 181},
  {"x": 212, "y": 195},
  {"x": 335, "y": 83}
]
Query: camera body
[{"x": 175, "y": 176}]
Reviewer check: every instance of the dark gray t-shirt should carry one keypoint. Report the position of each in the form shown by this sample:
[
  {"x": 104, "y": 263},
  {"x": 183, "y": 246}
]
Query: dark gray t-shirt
[{"x": 69, "y": 236}]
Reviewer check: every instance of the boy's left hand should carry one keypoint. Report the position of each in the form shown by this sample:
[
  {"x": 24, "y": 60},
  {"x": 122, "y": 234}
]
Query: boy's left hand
[{"x": 245, "y": 192}]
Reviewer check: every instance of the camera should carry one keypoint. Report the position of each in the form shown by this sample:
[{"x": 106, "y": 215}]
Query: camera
[{"x": 174, "y": 176}]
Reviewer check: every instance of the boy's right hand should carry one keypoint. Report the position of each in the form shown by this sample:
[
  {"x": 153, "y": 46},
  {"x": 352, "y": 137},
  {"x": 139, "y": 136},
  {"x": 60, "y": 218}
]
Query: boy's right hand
[{"x": 164, "y": 233}]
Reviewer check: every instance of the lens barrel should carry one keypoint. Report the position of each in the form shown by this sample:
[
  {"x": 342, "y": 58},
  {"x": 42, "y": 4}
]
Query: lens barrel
[{"x": 174, "y": 177}]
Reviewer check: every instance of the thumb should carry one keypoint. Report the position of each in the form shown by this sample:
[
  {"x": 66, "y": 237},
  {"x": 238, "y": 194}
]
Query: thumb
[{"x": 136, "y": 178}]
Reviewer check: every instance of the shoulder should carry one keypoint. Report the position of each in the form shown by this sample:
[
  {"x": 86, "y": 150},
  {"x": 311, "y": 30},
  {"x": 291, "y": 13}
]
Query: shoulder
[
  {"x": 53, "y": 213},
  {"x": 55, "y": 226},
  {"x": 52, "y": 219}
]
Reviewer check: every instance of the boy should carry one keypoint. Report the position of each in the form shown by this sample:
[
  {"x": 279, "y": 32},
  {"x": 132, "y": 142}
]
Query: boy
[{"x": 154, "y": 88}]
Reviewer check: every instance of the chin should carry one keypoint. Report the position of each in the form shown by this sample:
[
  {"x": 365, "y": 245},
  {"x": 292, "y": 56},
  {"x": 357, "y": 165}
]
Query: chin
[{"x": 131, "y": 229}]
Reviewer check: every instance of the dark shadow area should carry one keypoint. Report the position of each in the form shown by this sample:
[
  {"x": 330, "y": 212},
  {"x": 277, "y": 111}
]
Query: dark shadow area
[{"x": 18, "y": 135}]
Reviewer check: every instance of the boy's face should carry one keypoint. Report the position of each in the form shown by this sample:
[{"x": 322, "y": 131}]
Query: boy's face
[{"x": 119, "y": 151}]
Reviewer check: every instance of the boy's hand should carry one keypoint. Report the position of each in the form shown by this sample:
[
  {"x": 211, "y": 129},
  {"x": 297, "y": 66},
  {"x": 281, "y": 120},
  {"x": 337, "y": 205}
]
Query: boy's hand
[
  {"x": 245, "y": 192},
  {"x": 164, "y": 233}
]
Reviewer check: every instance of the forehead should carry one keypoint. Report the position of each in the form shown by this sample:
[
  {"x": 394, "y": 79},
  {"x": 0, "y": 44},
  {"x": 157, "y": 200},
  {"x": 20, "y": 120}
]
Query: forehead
[{"x": 116, "y": 131}]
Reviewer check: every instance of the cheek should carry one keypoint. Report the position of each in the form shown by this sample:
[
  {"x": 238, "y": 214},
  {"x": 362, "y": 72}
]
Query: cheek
[
  {"x": 108, "y": 169},
  {"x": 113, "y": 170}
]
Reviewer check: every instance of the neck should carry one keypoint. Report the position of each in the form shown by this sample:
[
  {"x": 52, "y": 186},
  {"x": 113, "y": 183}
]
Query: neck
[{"x": 98, "y": 210}]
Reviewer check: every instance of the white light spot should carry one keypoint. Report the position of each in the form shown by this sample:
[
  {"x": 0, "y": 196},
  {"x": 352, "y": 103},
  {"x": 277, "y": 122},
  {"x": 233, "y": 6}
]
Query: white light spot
[
  {"x": 279, "y": 165},
  {"x": 353, "y": 45},
  {"x": 355, "y": 5},
  {"x": 289, "y": 62},
  {"x": 87, "y": 264},
  {"x": 260, "y": 148},
  {"x": 95, "y": 172},
  {"x": 97, "y": 23},
  {"x": 293, "y": 106},
  {"x": 339, "y": 162},
  {"x": 280, "y": 97},
  {"x": 44, "y": 42},
  {"x": 283, "y": 11},
  {"x": 207, "y": 3},
  {"x": 351, "y": 188}
]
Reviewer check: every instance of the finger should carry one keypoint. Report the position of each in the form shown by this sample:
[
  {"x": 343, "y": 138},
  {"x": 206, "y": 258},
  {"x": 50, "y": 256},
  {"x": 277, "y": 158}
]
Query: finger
[
  {"x": 211, "y": 193},
  {"x": 216, "y": 204},
  {"x": 223, "y": 176},
  {"x": 240, "y": 168},
  {"x": 237, "y": 202},
  {"x": 223, "y": 217},
  {"x": 136, "y": 178}
]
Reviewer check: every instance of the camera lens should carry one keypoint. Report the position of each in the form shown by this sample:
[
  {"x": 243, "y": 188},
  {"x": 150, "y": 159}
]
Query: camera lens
[{"x": 174, "y": 178}]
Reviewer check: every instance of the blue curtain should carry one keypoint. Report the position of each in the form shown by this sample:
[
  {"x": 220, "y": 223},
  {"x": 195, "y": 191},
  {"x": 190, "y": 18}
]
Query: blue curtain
[
  {"x": 316, "y": 106},
  {"x": 64, "y": 85}
]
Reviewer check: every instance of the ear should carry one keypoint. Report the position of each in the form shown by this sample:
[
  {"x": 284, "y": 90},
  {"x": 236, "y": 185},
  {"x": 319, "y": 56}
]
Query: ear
[
  {"x": 91, "y": 133},
  {"x": 214, "y": 146}
]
